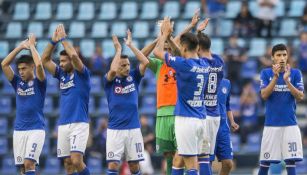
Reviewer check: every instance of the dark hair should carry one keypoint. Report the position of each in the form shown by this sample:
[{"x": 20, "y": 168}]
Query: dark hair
[
  {"x": 124, "y": 56},
  {"x": 190, "y": 40},
  {"x": 204, "y": 41},
  {"x": 27, "y": 59},
  {"x": 278, "y": 47},
  {"x": 63, "y": 53}
]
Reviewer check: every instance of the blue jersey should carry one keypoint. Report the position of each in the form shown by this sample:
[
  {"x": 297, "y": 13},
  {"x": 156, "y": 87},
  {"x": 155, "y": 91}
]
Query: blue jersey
[
  {"x": 191, "y": 77},
  {"x": 281, "y": 105},
  {"x": 30, "y": 100},
  {"x": 75, "y": 92},
  {"x": 224, "y": 98},
  {"x": 215, "y": 76},
  {"x": 122, "y": 95}
]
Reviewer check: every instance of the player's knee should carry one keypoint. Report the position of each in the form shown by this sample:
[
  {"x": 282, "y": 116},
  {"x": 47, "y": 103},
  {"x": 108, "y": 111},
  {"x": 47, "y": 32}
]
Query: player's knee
[
  {"x": 178, "y": 161},
  {"x": 68, "y": 165},
  {"x": 227, "y": 165},
  {"x": 76, "y": 162},
  {"x": 134, "y": 166},
  {"x": 29, "y": 165},
  {"x": 113, "y": 166}
]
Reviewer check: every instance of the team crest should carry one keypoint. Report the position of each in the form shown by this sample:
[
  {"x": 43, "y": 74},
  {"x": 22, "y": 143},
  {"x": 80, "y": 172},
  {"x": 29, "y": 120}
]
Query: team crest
[
  {"x": 129, "y": 78},
  {"x": 30, "y": 83},
  {"x": 224, "y": 90},
  {"x": 118, "y": 90}
]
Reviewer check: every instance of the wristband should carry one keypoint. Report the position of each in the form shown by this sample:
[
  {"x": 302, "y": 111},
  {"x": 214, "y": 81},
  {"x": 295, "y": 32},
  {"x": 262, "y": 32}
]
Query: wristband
[
  {"x": 53, "y": 43},
  {"x": 62, "y": 39}
]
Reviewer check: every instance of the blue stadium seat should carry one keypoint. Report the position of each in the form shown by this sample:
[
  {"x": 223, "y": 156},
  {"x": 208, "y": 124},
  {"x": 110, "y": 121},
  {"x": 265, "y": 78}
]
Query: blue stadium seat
[
  {"x": 87, "y": 47},
  {"x": 108, "y": 48},
  {"x": 226, "y": 27},
  {"x": 280, "y": 9},
  {"x": 48, "y": 107},
  {"x": 253, "y": 142},
  {"x": 21, "y": 11},
  {"x": 296, "y": 8},
  {"x": 253, "y": 7},
  {"x": 91, "y": 105},
  {"x": 3, "y": 145},
  {"x": 103, "y": 106},
  {"x": 100, "y": 29},
  {"x": 3, "y": 126},
  {"x": 95, "y": 165},
  {"x": 13, "y": 30},
  {"x": 7, "y": 87},
  {"x": 236, "y": 141},
  {"x": 171, "y": 9},
  {"x": 52, "y": 28},
  {"x": 8, "y": 165},
  {"x": 217, "y": 45},
  {"x": 288, "y": 27},
  {"x": 64, "y": 11},
  {"x": 232, "y": 9},
  {"x": 279, "y": 41},
  {"x": 5, "y": 105},
  {"x": 180, "y": 26},
  {"x": 86, "y": 11},
  {"x": 129, "y": 10},
  {"x": 52, "y": 85},
  {"x": 257, "y": 47},
  {"x": 140, "y": 29},
  {"x": 108, "y": 11},
  {"x": 128, "y": 51},
  {"x": 36, "y": 28},
  {"x": 4, "y": 49},
  {"x": 190, "y": 8},
  {"x": 41, "y": 45},
  {"x": 241, "y": 42},
  {"x": 148, "y": 105},
  {"x": 77, "y": 30},
  {"x": 149, "y": 10},
  {"x": 96, "y": 84},
  {"x": 52, "y": 166},
  {"x": 46, "y": 147},
  {"x": 249, "y": 68},
  {"x": 119, "y": 29},
  {"x": 43, "y": 11}
]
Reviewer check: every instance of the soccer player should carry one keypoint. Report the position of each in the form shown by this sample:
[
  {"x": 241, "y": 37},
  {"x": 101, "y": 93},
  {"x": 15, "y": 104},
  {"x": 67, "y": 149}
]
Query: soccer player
[
  {"x": 73, "y": 124},
  {"x": 281, "y": 86},
  {"x": 223, "y": 146},
  {"x": 30, "y": 88},
  {"x": 121, "y": 87},
  {"x": 191, "y": 75}
]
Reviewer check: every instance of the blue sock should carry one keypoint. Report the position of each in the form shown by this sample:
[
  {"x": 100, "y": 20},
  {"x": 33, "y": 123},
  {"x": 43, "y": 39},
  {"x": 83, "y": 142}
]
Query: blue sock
[
  {"x": 204, "y": 165},
  {"x": 264, "y": 168},
  {"x": 112, "y": 172},
  {"x": 192, "y": 172},
  {"x": 137, "y": 173},
  {"x": 177, "y": 171},
  {"x": 30, "y": 172},
  {"x": 290, "y": 166}
]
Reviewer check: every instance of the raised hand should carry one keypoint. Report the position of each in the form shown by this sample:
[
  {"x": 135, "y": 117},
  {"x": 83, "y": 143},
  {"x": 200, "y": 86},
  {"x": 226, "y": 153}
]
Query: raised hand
[
  {"x": 276, "y": 69},
  {"x": 116, "y": 43},
  {"x": 195, "y": 17},
  {"x": 128, "y": 40},
  {"x": 24, "y": 44},
  {"x": 202, "y": 26},
  {"x": 287, "y": 72},
  {"x": 32, "y": 39},
  {"x": 61, "y": 31},
  {"x": 166, "y": 27}
]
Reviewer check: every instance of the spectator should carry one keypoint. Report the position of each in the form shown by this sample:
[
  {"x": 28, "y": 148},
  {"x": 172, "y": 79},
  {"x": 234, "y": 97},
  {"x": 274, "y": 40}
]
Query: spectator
[
  {"x": 244, "y": 23},
  {"x": 266, "y": 60},
  {"x": 302, "y": 55},
  {"x": 98, "y": 62},
  {"x": 266, "y": 16},
  {"x": 303, "y": 22}
]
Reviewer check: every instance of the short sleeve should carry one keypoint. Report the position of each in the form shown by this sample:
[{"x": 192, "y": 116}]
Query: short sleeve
[
  {"x": 85, "y": 73},
  {"x": 15, "y": 81},
  {"x": 264, "y": 81},
  {"x": 228, "y": 99},
  {"x": 137, "y": 75},
  {"x": 172, "y": 61},
  {"x": 42, "y": 85},
  {"x": 299, "y": 84},
  {"x": 58, "y": 72},
  {"x": 105, "y": 81},
  {"x": 154, "y": 64}
]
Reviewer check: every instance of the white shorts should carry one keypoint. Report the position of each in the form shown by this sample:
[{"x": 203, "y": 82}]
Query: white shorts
[
  {"x": 72, "y": 138},
  {"x": 189, "y": 133},
  {"x": 28, "y": 145},
  {"x": 281, "y": 143},
  {"x": 212, "y": 128},
  {"x": 128, "y": 141}
]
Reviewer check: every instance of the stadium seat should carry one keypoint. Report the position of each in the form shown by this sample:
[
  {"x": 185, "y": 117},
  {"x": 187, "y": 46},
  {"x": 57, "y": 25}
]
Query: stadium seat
[
  {"x": 41, "y": 45},
  {"x": 253, "y": 142},
  {"x": 180, "y": 26},
  {"x": 21, "y": 11},
  {"x": 100, "y": 29},
  {"x": 52, "y": 166},
  {"x": 8, "y": 166},
  {"x": 217, "y": 45},
  {"x": 279, "y": 41},
  {"x": 46, "y": 147},
  {"x": 7, "y": 87},
  {"x": 148, "y": 105},
  {"x": 149, "y": 10},
  {"x": 288, "y": 27},
  {"x": 3, "y": 126},
  {"x": 5, "y": 105},
  {"x": 95, "y": 165},
  {"x": 241, "y": 42},
  {"x": 87, "y": 47},
  {"x": 171, "y": 9},
  {"x": 48, "y": 107},
  {"x": 119, "y": 29},
  {"x": 86, "y": 11},
  {"x": 52, "y": 85},
  {"x": 296, "y": 8},
  {"x": 3, "y": 145},
  {"x": 225, "y": 28},
  {"x": 36, "y": 28},
  {"x": 13, "y": 30},
  {"x": 91, "y": 105},
  {"x": 189, "y": 9},
  {"x": 108, "y": 48},
  {"x": 96, "y": 84},
  {"x": 128, "y": 51},
  {"x": 4, "y": 49},
  {"x": 103, "y": 106},
  {"x": 253, "y": 7},
  {"x": 129, "y": 10},
  {"x": 257, "y": 47},
  {"x": 249, "y": 68},
  {"x": 280, "y": 8},
  {"x": 77, "y": 30},
  {"x": 108, "y": 11},
  {"x": 232, "y": 9},
  {"x": 43, "y": 11},
  {"x": 140, "y": 29},
  {"x": 64, "y": 11}
]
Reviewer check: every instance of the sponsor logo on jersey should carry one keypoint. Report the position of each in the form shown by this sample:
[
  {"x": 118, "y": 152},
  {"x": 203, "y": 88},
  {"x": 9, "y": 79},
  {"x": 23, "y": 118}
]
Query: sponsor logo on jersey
[
  {"x": 124, "y": 90},
  {"x": 26, "y": 92}
]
